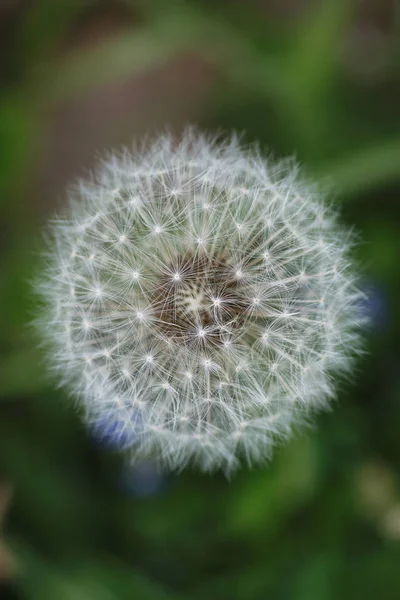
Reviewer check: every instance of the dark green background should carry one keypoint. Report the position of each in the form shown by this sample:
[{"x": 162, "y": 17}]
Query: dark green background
[{"x": 318, "y": 80}]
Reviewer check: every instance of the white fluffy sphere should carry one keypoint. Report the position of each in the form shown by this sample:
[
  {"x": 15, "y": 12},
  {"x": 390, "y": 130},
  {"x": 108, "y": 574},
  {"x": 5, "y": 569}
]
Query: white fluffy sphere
[{"x": 200, "y": 299}]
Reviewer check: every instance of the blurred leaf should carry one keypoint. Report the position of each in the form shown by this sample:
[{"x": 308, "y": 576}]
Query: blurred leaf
[
  {"x": 138, "y": 50},
  {"x": 364, "y": 169},
  {"x": 17, "y": 129},
  {"x": 314, "y": 578},
  {"x": 16, "y": 272},
  {"x": 44, "y": 26},
  {"x": 310, "y": 72},
  {"x": 313, "y": 60},
  {"x": 87, "y": 580},
  {"x": 218, "y": 42},
  {"x": 20, "y": 374},
  {"x": 264, "y": 500},
  {"x": 119, "y": 56}
]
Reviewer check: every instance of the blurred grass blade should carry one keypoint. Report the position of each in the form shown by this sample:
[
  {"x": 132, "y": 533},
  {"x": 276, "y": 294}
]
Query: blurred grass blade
[
  {"x": 314, "y": 56},
  {"x": 365, "y": 169}
]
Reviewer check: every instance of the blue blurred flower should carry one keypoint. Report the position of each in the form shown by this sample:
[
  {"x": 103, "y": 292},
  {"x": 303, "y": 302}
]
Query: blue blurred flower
[
  {"x": 114, "y": 433},
  {"x": 144, "y": 478},
  {"x": 375, "y": 305}
]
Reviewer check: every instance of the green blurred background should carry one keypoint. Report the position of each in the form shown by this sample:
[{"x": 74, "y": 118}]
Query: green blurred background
[{"x": 316, "y": 79}]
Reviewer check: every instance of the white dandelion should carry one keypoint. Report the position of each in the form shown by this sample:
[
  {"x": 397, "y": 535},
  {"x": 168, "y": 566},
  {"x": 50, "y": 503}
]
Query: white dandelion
[{"x": 202, "y": 298}]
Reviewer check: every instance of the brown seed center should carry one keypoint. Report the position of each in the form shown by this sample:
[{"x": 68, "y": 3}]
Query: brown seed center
[{"x": 199, "y": 299}]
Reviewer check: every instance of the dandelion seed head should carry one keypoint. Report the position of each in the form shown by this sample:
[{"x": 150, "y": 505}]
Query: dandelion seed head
[{"x": 201, "y": 297}]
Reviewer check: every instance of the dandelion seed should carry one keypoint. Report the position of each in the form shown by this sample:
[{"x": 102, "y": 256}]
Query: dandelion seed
[{"x": 245, "y": 306}]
